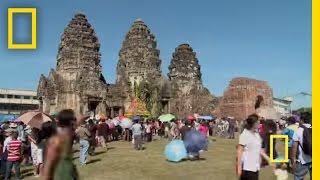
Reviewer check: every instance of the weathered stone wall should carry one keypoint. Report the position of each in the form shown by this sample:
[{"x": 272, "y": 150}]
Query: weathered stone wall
[
  {"x": 77, "y": 80},
  {"x": 138, "y": 57},
  {"x": 188, "y": 94},
  {"x": 240, "y": 96},
  {"x": 78, "y": 77}
]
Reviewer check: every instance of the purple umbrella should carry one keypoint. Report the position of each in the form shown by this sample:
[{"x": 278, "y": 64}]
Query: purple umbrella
[
  {"x": 136, "y": 118},
  {"x": 195, "y": 141}
]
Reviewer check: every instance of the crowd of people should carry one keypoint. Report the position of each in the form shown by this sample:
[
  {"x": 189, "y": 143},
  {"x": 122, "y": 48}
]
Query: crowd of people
[
  {"x": 253, "y": 149},
  {"x": 49, "y": 149}
]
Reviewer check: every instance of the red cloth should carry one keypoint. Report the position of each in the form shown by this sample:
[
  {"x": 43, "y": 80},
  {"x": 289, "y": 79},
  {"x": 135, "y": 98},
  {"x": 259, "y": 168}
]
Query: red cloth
[
  {"x": 204, "y": 130},
  {"x": 14, "y": 150},
  {"x": 103, "y": 129}
]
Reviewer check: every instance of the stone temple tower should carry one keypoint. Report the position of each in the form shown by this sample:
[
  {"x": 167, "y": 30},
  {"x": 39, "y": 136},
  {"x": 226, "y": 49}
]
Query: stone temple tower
[
  {"x": 138, "y": 57},
  {"x": 78, "y": 49},
  {"x": 189, "y": 94},
  {"x": 77, "y": 82},
  {"x": 184, "y": 70}
]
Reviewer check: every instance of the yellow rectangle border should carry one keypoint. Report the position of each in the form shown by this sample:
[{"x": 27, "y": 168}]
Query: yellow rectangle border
[
  {"x": 315, "y": 85},
  {"x": 33, "y": 12},
  {"x": 286, "y": 150}
]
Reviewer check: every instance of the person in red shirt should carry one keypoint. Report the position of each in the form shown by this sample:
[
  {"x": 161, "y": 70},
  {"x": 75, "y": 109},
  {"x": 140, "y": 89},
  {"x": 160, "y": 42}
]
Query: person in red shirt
[
  {"x": 205, "y": 131},
  {"x": 103, "y": 132},
  {"x": 14, "y": 156}
]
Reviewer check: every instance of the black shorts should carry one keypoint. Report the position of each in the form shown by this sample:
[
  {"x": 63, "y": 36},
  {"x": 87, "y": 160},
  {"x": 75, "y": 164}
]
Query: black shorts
[{"x": 249, "y": 175}]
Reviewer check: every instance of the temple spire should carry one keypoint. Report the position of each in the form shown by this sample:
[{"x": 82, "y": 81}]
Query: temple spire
[{"x": 138, "y": 57}]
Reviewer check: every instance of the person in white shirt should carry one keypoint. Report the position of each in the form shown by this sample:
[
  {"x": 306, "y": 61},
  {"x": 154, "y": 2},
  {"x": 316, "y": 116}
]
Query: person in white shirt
[
  {"x": 8, "y": 138},
  {"x": 303, "y": 164},
  {"x": 249, "y": 151}
]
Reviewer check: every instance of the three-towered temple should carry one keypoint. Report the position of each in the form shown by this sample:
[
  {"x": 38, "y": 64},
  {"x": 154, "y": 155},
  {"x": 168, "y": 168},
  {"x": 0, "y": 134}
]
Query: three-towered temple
[{"x": 77, "y": 81}]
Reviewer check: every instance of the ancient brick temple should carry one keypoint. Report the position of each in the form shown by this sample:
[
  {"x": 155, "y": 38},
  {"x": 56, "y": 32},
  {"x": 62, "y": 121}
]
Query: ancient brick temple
[
  {"x": 138, "y": 57},
  {"x": 240, "y": 97},
  {"x": 78, "y": 83}
]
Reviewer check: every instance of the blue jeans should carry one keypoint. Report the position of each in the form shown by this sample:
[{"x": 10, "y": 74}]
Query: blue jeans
[
  {"x": 16, "y": 166},
  {"x": 302, "y": 170},
  {"x": 84, "y": 148}
]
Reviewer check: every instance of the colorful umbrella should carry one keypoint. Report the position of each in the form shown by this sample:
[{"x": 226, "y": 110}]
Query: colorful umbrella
[
  {"x": 115, "y": 121},
  {"x": 209, "y": 118},
  {"x": 110, "y": 124},
  {"x": 195, "y": 141},
  {"x": 34, "y": 118},
  {"x": 166, "y": 117},
  {"x": 126, "y": 123},
  {"x": 120, "y": 118},
  {"x": 54, "y": 114},
  {"x": 175, "y": 151},
  {"x": 136, "y": 118}
]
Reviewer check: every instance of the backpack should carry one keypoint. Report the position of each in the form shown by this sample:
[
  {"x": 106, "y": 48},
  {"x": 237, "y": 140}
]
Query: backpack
[{"x": 307, "y": 140}]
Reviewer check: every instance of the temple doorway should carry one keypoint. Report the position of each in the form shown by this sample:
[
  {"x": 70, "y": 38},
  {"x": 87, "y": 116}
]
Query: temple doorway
[
  {"x": 165, "y": 106},
  {"x": 92, "y": 105}
]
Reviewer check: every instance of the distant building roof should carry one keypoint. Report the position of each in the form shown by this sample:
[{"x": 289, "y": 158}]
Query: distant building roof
[
  {"x": 18, "y": 92},
  {"x": 286, "y": 100}
]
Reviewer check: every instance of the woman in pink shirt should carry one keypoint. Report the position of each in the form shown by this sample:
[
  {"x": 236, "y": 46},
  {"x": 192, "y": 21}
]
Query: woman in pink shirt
[{"x": 204, "y": 130}]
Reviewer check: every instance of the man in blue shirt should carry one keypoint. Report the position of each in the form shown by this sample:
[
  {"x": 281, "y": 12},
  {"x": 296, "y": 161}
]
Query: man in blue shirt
[{"x": 289, "y": 131}]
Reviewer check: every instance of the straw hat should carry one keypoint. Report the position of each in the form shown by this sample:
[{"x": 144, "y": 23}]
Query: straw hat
[{"x": 13, "y": 125}]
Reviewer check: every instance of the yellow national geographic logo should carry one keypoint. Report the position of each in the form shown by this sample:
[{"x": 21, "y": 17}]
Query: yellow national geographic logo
[
  {"x": 286, "y": 148},
  {"x": 33, "y": 12}
]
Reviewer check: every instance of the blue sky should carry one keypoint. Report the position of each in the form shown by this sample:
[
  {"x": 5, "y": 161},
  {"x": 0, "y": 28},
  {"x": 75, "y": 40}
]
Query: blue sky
[{"x": 268, "y": 40}]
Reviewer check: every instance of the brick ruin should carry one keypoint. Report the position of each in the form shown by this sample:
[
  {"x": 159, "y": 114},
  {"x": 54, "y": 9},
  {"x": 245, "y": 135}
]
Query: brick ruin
[{"x": 240, "y": 97}]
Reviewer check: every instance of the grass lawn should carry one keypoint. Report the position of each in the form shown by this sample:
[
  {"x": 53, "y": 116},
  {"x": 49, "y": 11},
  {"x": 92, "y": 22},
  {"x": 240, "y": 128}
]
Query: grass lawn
[{"x": 121, "y": 162}]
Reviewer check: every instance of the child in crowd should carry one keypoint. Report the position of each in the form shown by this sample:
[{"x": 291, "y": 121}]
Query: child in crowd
[{"x": 14, "y": 156}]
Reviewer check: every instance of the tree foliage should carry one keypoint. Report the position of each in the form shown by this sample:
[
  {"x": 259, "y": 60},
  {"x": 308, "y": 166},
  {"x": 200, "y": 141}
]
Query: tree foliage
[{"x": 149, "y": 93}]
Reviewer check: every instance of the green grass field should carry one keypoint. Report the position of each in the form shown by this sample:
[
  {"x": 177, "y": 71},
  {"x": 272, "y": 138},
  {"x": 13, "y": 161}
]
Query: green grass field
[{"x": 121, "y": 162}]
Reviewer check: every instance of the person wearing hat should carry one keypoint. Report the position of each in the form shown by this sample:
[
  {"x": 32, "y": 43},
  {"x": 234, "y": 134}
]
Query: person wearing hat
[
  {"x": 13, "y": 125},
  {"x": 7, "y": 134},
  {"x": 14, "y": 149},
  {"x": 84, "y": 135},
  {"x": 5, "y": 125},
  {"x": 103, "y": 131}
]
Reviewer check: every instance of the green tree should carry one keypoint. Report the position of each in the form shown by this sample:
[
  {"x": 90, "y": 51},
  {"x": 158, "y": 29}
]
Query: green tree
[
  {"x": 150, "y": 95},
  {"x": 304, "y": 109}
]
